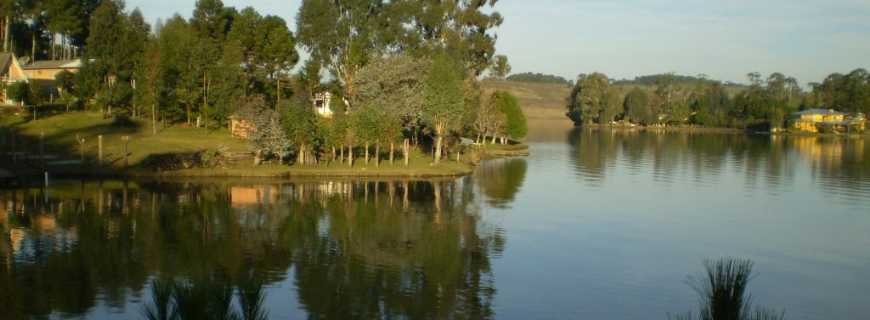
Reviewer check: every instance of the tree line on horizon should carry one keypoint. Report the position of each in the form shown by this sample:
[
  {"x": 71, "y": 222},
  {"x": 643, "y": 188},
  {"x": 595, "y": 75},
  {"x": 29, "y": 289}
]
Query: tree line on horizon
[
  {"x": 539, "y": 78},
  {"x": 400, "y": 72},
  {"x": 677, "y": 101}
]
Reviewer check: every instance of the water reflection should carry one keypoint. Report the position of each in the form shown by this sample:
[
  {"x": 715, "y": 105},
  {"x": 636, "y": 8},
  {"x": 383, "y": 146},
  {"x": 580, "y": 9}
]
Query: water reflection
[
  {"x": 351, "y": 249},
  {"x": 768, "y": 163},
  {"x": 501, "y": 180}
]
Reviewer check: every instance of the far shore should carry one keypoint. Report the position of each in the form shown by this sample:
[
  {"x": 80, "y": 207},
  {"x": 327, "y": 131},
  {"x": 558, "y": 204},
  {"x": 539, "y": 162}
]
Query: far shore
[{"x": 697, "y": 129}]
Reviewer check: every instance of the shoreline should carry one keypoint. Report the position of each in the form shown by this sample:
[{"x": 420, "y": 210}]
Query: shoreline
[
  {"x": 446, "y": 169},
  {"x": 689, "y": 129}
]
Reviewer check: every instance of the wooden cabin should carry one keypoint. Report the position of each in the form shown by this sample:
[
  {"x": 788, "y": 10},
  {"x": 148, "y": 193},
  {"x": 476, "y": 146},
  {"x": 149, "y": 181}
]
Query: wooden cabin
[{"x": 10, "y": 72}]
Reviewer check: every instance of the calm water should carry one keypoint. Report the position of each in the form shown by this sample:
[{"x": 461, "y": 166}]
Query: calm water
[{"x": 594, "y": 225}]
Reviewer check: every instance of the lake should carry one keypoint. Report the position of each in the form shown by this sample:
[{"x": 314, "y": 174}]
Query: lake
[{"x": 595, "y": 224}]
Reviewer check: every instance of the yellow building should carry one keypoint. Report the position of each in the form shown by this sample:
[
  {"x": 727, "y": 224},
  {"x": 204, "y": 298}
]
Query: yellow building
[
  {"x": 48, "y": 70},
  {"x": 811, "y": 120},
  {"x": 10, "y": 72}
]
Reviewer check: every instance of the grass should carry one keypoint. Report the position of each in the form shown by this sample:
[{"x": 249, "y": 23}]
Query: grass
[
  {"x": 61, "y": 131},
  {"x": 540, "y": 101},
  {"x": 419, "y": 166}
]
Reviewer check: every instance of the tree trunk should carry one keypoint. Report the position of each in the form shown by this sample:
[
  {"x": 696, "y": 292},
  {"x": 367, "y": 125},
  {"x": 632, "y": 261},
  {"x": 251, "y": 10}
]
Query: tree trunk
[
  {"x": 341, "y": 154},
  {"x": 333, "y": 153},
  {"x": 8, "y": 23},
  {"x": 350, "y": 156},
  {"x": 301, "y": 156},
  {"x": 33, "y": 47},
  {"x": 377, "y": 155},
  {"x": 367, "y": 153},
  {"x": 406, "y": 145},
  {"x": 205, "y": 83},
  {"x": 439, "y": 139},
  {"x": 392, "y": 149}
]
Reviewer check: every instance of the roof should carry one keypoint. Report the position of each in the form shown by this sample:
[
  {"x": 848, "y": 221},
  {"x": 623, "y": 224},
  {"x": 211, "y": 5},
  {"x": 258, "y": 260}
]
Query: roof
[
  {"x": 54, "y": 64},
  {"x": 826, "y": 112}
]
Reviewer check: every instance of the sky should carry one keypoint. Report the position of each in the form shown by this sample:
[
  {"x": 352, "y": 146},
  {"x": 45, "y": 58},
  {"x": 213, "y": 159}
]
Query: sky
[{"x": 723, "y": 39}]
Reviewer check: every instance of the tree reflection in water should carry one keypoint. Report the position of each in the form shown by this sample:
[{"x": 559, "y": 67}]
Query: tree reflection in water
[
  {"x": 357, "y": 249},
  {"x": 765, "y": 162},
  {"x": 501, "y": 179}
]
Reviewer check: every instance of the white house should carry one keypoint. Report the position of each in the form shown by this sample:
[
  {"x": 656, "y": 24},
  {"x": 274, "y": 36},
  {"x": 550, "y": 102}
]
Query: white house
[{"x": 322, "y": 102}]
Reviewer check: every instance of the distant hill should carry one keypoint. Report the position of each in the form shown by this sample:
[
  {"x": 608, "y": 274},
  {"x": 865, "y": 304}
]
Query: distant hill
[
  {"x": 540, "y": 101},
  {"x": 538, "y": 78},
  {"x": 651, "y": 80}
]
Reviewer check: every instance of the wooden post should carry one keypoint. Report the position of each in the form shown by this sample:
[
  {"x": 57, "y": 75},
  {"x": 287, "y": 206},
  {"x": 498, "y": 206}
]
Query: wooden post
[{"x": 100, "y": 150}]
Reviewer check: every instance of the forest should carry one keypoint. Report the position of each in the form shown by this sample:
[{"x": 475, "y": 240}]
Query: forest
[
  {"x": 401, "y": 73},
  {"x": 672, "y": 100}
]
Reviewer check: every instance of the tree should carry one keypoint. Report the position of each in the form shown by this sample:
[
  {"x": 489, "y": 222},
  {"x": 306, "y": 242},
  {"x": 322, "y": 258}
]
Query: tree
[
  {"x": 393, "y": 87},
  {"x": 300, "y": 124},
  {"x": 588, "y": 98},
  {"x": 638, "y": 108},
  {"x": 443, "y": 99},
  {"x": 463, "y": 29},
  {"x": 712, "y": 105},
  {"x": 488, "y": 121},
  {"x": 514, "y": 125},
  {"x": 501, "y": 68},
  {"x": 19, "y": 91},
  {"x": 612, "y": 107},
  {"x": 341, "y": 35},
  {"x": 269, "y": 136},
  {"x": 277, "y": 54}
]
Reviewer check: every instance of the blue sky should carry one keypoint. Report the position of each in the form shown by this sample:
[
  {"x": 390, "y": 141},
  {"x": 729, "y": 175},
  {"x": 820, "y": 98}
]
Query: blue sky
[{"x": 724, "y": 39}]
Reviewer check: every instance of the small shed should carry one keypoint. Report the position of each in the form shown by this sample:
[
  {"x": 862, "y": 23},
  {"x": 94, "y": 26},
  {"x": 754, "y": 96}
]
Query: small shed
[{"x": 240, "y": 127}]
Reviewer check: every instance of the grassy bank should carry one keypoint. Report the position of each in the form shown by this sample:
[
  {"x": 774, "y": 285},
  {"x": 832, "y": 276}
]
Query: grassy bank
[{"x": 59, "y": 136}]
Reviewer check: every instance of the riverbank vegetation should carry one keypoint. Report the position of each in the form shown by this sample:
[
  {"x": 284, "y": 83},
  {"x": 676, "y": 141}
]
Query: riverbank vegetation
[
  {"x": 402, "y": 77},
  {"x": 671, "y": 101}
]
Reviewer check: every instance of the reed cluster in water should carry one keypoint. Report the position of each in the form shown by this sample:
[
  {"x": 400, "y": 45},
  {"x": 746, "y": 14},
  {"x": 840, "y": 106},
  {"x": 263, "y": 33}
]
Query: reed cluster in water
[{"x": 724, "y": 293}]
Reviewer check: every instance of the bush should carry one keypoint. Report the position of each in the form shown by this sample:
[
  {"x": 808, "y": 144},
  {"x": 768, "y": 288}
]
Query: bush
[{"x": 19, "y": 92}]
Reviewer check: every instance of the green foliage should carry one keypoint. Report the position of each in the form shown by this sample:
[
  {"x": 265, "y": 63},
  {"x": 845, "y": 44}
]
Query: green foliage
[
  {"x": 847, "y": 93},
  {"x": 501, "y": 68},
  {"x": 515, "y": 125},
  {"x": 638, "y": 108},
  {"x": 393, "y": 88},
  {"x": 19, "y": 92},
  {"x": 613, "y": 106},
  {"x": 443, "y": 98},
  {"x": 300, "y": 123},
  {"x": 588, "y": 98},
  {"x": 271, "y": 131}
]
